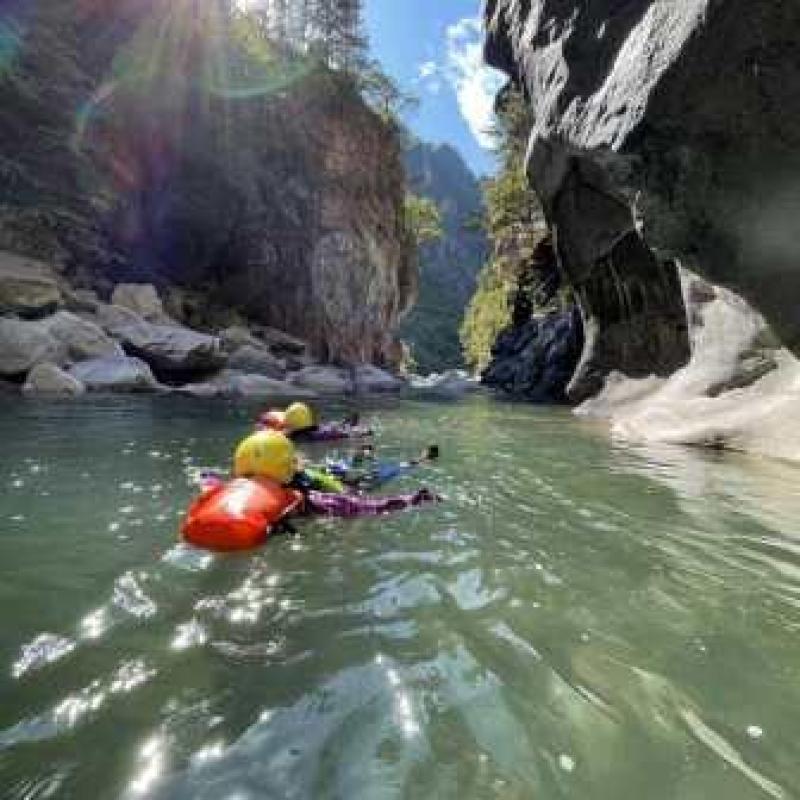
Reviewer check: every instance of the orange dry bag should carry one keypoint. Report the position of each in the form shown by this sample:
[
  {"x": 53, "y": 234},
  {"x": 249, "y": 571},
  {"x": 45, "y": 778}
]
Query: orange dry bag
[{"x": 238, "y": 515}]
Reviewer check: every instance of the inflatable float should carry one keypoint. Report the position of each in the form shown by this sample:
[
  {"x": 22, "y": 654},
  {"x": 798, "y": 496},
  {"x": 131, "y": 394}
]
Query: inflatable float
[{"x": 238, "y": 515}]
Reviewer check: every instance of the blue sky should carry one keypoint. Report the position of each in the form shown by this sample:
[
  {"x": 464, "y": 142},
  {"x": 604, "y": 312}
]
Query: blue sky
[{"x": 433, "y": 48}]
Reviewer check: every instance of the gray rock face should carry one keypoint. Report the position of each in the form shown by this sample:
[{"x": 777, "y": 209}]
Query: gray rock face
[
  {"x": 81, "y": 339},
  {"x": 115, "y": 374},
  {"x": 24, "y": 344},
  {"x": 256, "y": 361},
  {"x": 681, "y": 116},
  {"x": 49, "y": 379},
  {"x": 27, "y": 287},
  {"x": 538, "y": 359}
]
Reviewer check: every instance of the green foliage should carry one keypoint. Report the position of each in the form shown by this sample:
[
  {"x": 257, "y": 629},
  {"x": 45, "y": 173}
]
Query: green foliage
[
  {"x": 515, "y": 226},
  {"x": 423, "y": 220}
]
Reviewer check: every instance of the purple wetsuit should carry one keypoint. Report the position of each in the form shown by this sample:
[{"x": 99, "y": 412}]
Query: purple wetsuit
[
  {"x": 331, "y": 432},
  {"x": 357, "y": 505}
]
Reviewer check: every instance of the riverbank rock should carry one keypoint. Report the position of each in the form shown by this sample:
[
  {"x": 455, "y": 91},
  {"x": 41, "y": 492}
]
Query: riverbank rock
[
  {"x": 537, "y": 360},
  {"x": 47, "y": 378},
  {"x": 373, "y": 380},
  {"x": 256, "y": 361},
  {"x": 115, "y": 374},
  {"x": 324, "y": 379},
  {"x": 27, "y": 287},
  {"x": 23, "y": 344},
  {"x": 82, "y": 339},
  {"x": 142, "y": 299},
  {"x": 169, "y": 350},
  {"x": 234, "y": 383}
]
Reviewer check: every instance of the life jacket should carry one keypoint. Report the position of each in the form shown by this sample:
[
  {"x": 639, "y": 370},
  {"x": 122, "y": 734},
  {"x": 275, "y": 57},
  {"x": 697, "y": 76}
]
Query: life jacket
[{"x": 239, "y": 515}]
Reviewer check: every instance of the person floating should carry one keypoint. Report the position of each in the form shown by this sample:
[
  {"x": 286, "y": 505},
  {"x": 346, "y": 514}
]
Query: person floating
[
  {"x": 298, "y": 423},
  {"x": 241, "y": 514},
  {"x": 363, "y": 470}
]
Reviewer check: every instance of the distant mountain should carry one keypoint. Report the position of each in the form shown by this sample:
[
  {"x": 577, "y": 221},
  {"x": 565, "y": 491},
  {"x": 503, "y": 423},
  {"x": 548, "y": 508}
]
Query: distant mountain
[{"x": 448, "y": 268}]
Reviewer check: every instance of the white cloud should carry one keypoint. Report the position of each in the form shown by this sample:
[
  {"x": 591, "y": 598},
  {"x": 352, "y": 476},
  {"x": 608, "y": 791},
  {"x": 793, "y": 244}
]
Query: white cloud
[
  {"x": 428, "y": 69},
  {"x": 474, "y": 83}
]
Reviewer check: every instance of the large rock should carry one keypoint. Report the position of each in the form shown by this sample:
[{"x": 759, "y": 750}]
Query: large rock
[
  {"x": 81, "y": 338},
  {"x": 234, "y": 383},
  {"x": 50, "y": 379},
  {"x": 115, "y": 374},
  {"x": 537, "y": 360},
  {"x": 27, "y": 287},
  {"x": 23, "y": 344},
  {"x": 674, "y": 118},
  {"x": 256, "y": 361},
  {"x": 372, "y": 379},
  {"x": 142, "y": 299},
  {"x": 325, "y": 380}
]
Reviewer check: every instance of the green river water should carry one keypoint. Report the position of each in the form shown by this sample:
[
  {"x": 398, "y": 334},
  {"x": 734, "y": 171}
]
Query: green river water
[{"x": 579, "y": 620}]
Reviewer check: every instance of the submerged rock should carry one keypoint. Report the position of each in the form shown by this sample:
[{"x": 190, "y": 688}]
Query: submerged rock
[
  {"x": 48, "y": 378},
  {"x": 115, "y": 374},
  {"x": 23, "y": 344},
  {"x": 538, "y": 359},
  {"x": 27, "y": 287}
]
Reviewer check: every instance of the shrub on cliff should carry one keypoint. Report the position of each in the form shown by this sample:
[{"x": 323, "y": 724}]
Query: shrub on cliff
[{"x": 515, "y": 226}]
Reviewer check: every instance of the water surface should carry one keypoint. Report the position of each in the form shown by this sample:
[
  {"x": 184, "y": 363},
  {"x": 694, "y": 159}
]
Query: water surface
[{"x": 579, "y": 620}]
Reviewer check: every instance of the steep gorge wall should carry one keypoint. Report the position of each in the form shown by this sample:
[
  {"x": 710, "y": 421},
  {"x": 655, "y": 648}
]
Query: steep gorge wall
[
  {"x": 666, "y": 122},
  {"x": 281, "y": 198}
]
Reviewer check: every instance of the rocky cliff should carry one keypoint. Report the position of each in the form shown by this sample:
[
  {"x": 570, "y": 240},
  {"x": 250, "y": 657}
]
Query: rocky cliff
[
  {"x": 174, "y": 146},
  {"x": 665, "y": 133},
  {"x": 449, "y": 267},
  {"x": 666, "y": 123}
]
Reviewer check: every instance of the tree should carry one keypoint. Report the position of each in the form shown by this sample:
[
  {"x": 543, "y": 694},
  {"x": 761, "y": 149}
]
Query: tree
[{"x": 423, "y": 220}]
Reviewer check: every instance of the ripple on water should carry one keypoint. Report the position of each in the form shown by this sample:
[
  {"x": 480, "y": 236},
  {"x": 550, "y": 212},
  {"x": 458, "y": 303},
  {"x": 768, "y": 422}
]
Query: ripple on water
[{"x": 43, "y": 650}]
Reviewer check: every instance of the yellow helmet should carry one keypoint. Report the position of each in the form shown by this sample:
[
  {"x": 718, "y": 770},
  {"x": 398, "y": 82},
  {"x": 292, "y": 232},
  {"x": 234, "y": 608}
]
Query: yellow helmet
[
  {"x": 298, "y": 417},
  {"x": 266, "y": 454}
]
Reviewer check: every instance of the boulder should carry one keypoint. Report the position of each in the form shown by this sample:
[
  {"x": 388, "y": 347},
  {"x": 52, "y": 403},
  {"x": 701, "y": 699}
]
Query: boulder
[
  {"x": 27, "y": 287},
  {"x": 324, "y": 379},
  {"x": 48, "y": 378},
  {"x": 371, "y": 379},
  {"x": 256, "y": 361},
  {"x": 536, "y": 360},
  {"x": 238, "y": 336},
  {"x": 141, "y": 298},
  {"x": 23, "y": 344},
  {"x": 234, "y": 383},
  {"x": 81, "y": 339},
  {"x": 112, "y": 317},
  {"x": 115, "y": 374},
  {"x": 81, "y": 300}
]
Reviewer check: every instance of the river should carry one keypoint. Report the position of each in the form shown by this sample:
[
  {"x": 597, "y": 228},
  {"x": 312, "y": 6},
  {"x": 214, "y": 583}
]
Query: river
[{"x": 579, "y": 619}]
